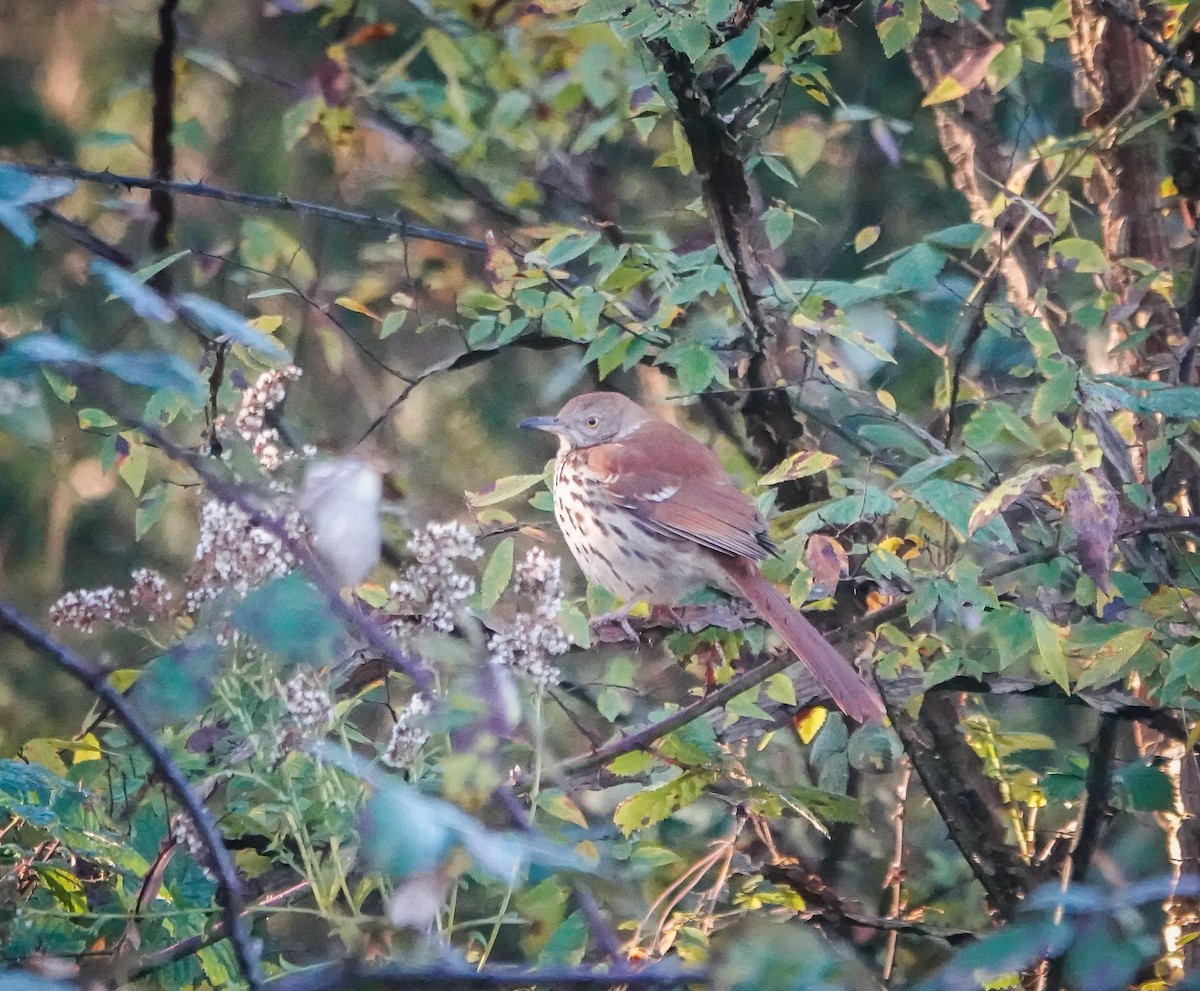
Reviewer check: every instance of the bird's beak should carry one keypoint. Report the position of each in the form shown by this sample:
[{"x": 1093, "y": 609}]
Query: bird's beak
[{"x": 547, "y": 423}]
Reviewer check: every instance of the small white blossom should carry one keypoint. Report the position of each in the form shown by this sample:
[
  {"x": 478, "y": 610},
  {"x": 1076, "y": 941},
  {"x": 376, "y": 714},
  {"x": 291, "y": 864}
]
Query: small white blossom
[
  {"x": 307, "y": 701},
  {"x": 84, "y": 608},
  {"x": 431, "y": 591},
  {"x": 407, "y": 738},
  {"x": 527, "y": 642},
  {"x": 251, "y": 421},
  {"x": 233, "y": 553},
  {"x": 149, "y": 591}
]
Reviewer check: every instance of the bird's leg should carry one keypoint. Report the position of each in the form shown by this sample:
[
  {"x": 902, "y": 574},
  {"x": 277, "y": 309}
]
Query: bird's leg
[{"x": 621, "y": 618}]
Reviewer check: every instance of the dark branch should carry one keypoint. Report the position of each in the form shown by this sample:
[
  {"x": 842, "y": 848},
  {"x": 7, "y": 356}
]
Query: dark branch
[
  {"x": 96, "y": 681},
  {"x": 336, "y": 977},
  {"x": 194, "y": 944},
  {"x": 302, "y": 207},
  {"x": 162, "y": 124}
]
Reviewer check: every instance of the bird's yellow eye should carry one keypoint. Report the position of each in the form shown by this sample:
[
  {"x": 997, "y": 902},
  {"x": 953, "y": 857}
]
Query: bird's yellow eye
[{"x": 593, "y": 422}]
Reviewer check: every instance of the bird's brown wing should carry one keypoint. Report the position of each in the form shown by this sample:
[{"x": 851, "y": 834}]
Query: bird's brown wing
[{"x": 676, "y": 487}]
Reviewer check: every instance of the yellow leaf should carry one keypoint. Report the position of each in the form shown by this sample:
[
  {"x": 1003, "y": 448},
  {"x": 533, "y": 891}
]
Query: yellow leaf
[
  {"x": 353, "y": 304},
  {"x": 808, "y": 722},
  {"x": 865, "y": 238},
  {"x": 267, "y": 324},
  {"x": 967, "y": 74}
]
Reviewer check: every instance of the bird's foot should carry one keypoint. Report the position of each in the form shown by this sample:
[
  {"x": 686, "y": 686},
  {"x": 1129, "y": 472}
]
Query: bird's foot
[{"x": 618, "y": 618}]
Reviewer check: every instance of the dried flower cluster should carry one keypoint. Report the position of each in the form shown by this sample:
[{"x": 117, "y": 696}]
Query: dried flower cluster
[
  {"x": 233, "y": 552},
  {"x": 251, "y": 420},
  {"x": 310, "y": 712},
  {"x": 528, "y": 641},
  {"x": 86, "y": 607},
  {"x": 432, "y": 590},
  {"x": 147, "y": 596},
  {"x": 184, "y": 832},
  {"x": 408, "y": 736}
]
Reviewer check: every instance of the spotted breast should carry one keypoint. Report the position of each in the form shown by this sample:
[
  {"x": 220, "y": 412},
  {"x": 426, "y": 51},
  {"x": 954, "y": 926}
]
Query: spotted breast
[{"x": 616, "y": 549}]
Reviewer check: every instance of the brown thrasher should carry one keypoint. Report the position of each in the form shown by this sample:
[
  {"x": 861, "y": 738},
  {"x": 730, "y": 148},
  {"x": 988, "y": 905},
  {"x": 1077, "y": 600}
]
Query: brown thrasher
[{"x": 649, "y": 513}]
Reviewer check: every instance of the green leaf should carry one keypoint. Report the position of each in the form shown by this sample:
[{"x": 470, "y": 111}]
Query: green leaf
[
  {"x": 146, "y": 303},
  {"x": 1054, "y": 395},
  {"x": 778, "y": 225},
  {"x": 960, "y": 235},
  {"x": 224, "y": 322},
  {"x": 799, "y": 465},
  {"x": 1076, "y": 254},
  {"x": 1180, "y": 402},
  {"x": 149, "y": 509},
  {"x": 897, "y": 23},
  {"x": 1050, "y": 659},
  {"x": 918, "y": 268},
  {"x": 696, "y": 365},
  {"x": 147, "y": 272},
  {"x": 567, "y": 943},
  {"x": 95, "y": 419},
  {"x": 632, "y": 764},
  {"x": 1008, "y": 492},
  {"x": 689, "y": 35},
  {"x": 1148, "y": 787},
  {"x": 497, "y": 574},
  {"x": 943, "y": 10},
  {"x": 501, "y": 490},
  {"x": 652, "y": 805},
  {"x": 1106, "y": 663},
  {"x": 65, "y": 887},
  {"x": 290, "y": 617},
  {"x": 132, "y": 467},
  {"x": 781, "y": 689}
]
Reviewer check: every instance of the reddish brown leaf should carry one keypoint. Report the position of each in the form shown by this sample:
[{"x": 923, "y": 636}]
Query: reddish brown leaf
[
  {"x": 1093, "y": 511},
  {"x": 827, "y": 561}
]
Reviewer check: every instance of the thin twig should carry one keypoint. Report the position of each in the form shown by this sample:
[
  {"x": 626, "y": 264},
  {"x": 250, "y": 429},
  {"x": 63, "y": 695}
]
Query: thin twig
[
  {"x": 162, "y": 148},
  {"x": 194, "y": 944},
  {"x": 232, "y": 895},
  {"x": 202, "y": 190}
]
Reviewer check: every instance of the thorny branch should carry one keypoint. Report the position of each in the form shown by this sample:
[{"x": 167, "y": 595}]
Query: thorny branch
[
  {"x": 202, "y": 190},
  {"x": 232, "y": 894}
]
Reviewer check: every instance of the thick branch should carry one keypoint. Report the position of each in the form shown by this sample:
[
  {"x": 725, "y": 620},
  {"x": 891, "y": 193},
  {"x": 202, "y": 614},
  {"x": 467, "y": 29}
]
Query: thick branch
[{"x": 351, "y": 974}]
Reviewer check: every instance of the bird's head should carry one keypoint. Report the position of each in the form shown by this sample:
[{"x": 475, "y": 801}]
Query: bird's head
[{"x": 591, "y": 419}]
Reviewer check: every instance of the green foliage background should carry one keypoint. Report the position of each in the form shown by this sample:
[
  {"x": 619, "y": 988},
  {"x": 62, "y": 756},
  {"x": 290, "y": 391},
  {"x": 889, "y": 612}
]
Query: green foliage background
[{"x": 779, "y": 223}]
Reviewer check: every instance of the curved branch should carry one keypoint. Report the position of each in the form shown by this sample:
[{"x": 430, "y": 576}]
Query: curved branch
[{"x": 232, "y": 894}]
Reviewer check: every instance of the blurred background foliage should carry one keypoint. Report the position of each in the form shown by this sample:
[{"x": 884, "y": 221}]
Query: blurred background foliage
[{"x": 997, "y": 366}]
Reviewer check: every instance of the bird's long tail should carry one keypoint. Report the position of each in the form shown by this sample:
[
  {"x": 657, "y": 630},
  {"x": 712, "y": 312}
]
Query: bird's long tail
[{"x": 848, "y": 689}]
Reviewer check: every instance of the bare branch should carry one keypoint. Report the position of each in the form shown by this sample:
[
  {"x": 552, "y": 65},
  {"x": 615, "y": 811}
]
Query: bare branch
[{"x": 415, "y": 232}]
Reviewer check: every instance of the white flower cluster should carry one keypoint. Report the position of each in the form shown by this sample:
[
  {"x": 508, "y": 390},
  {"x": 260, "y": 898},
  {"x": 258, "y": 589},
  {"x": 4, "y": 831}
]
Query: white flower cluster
[
  {"x": 233, "y": 552},
  {"x": 310, "y": 712},
  {"x": 84, "y": 608},
  {"x": 184, "y": 832},
  {"x": 251, "y": 421},
  {"x": 528, "y": 641},
  {"x": 408, "y": 736},
  {"x": 307, "y": 701},
  {"x": 149, "y": 591},
  {"x": 432, "y": 590}
]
